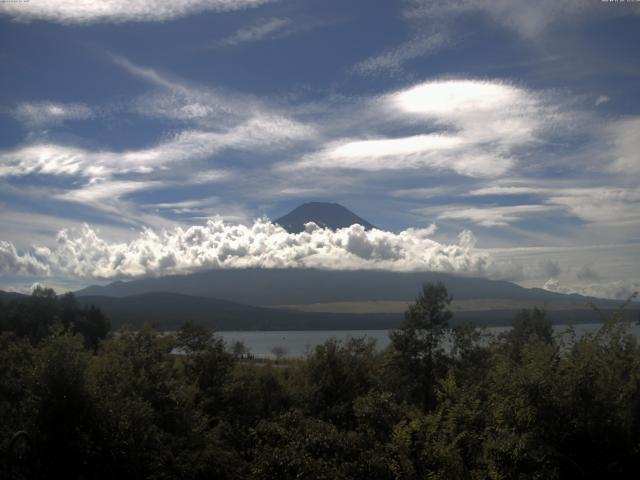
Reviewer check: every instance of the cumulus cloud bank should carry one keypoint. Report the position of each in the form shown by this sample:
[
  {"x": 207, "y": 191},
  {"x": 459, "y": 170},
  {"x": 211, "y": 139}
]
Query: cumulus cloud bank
[
  {"x": 619, "y": 290},
  {"x": 217, "y": 244},
  {"x": 13, "y": 263},
  {"x": 84, "y": 254}
]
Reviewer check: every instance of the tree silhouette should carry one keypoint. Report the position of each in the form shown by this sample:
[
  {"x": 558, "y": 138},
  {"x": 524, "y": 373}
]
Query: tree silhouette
[{"x": 417, "y": 343}]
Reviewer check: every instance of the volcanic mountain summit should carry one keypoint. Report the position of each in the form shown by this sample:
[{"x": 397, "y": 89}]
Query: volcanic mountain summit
[{"x": 325, "y": 215}]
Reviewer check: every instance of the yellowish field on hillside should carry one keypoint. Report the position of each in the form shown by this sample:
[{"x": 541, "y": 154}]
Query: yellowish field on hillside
[{"x": 395, "y": 306}]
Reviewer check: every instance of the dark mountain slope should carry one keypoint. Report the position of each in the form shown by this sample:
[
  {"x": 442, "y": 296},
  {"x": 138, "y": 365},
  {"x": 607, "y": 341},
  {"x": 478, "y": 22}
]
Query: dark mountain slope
[
  {"x": 304, "y": 286},
  {"x": 327, "y": 215},
  {"x": 8, "y": 296},
  {"x": 170, "y": 310}
]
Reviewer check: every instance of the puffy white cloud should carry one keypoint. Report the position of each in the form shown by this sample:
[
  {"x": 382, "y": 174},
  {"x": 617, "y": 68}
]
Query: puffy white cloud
[
  {"x": 13, "y": 263},
  {"x": 116, "y": 11},
  {"x": 85, "y": 254},
  {"x": 529, "y": 265},
  {"x": 617, "y": 290},
  {"x": 223, "y": 245},
  {"x": 553, "y": 285},
  {"x": 44, "y": 113}
]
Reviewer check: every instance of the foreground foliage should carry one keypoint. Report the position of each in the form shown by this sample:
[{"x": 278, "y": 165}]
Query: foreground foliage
[{"x": 438, "y": 403}]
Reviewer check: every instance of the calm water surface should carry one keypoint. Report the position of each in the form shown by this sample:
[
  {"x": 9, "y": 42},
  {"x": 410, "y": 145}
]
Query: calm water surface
[{"x": 297, "y": 343}]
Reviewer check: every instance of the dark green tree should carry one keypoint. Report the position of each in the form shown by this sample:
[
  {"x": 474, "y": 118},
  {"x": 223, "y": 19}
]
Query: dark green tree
[
  {"x": 192, "y": 337},
  {"x": 528, "y": 325},
  {"x": 417, "y": 344},
  {"x": 336, "y": 374},
  {"x": 34, "y": 317},
  {"x": 64, "y": 406},
  {"x": 207, "y": 364}
]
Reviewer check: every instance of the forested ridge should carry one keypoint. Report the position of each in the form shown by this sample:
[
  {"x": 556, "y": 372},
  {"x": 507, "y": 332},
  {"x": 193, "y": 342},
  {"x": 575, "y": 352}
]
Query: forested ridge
[{"x": 93, "y": 403}]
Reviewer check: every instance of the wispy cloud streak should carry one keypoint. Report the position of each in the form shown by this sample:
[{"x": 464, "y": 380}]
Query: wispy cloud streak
[{"x": 117, "y": 11}]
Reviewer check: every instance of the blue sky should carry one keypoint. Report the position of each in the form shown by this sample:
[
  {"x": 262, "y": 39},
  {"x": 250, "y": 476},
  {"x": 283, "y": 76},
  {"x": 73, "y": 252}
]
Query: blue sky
[{"x": 496, "y": 138}]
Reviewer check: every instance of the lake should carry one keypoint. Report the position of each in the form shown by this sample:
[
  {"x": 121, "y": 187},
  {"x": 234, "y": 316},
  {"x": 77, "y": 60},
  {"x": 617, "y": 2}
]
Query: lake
[{"x": 297, "y": 343}]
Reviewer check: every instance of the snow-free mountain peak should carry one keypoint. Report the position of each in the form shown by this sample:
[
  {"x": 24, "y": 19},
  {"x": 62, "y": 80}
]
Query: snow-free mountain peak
[{"x": 324, "y": 214}]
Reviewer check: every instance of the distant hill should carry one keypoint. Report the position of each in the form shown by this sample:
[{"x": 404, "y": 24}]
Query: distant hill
[
  {"x": 260, "y": 287},
  {"x": 170, "y": 310},
  {"x": 326, "y": 215},
  {"x": 8, "y": 296}
]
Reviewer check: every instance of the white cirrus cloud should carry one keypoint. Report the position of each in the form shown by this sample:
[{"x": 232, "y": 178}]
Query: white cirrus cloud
[
  {"x": 178, "y": 100},
  {"x": 486, "y": 112},
  {"x": 106, "y": 190},
  {"x": 48, "y": 159},
  {"x": 265, "y": 28},
  {"x": 625, "y": 137},
  {"x": 475, "y": 128},
  {"x": 527, "y": 19},
  {"x": 494, "y": 216},
  {"x": 391, "y": 60},
  {"x": 54, "y": 159},
  {"x": 422, "y": 192},
  {"x": 14, "y": 263},
  {"x": 442, "y": 152},
  {"x": 217, "y": 244},
  {"x": 602, "y": 205},
  {"x": 116, "y": 11},
  {"x": 221, "y": 121},
  {"x": 508, "y": 190},
  {"x": 205, "y": 106},
  {"x": 454, "y": 97},
  {"x": 46, "y": 113},
  {"x": 210, "y": 109},
  {"x": 273, "y": 28}
]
